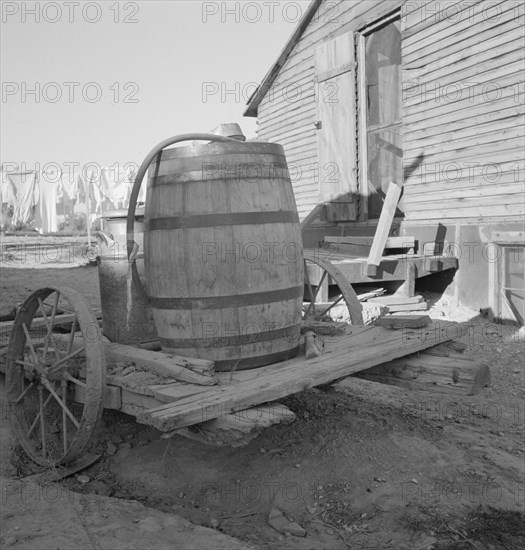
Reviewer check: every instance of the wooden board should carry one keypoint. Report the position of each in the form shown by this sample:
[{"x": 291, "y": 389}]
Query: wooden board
[
  {"x": 396, "y": 300},
  {"x": 239, "y": 428},
  {"x": 404, "y": 321},
  {"x": 385, "y": 223},
  {"x": 420, "y": 306},
  {"x": 391, "y": 242},
  {"x": 336, "y": 119},
  {"x": 432, "y": 373},
  {"x": 365, "y": 347}
]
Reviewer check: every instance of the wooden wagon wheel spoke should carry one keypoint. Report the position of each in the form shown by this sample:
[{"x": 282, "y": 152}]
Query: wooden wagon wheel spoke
[
  {"x": 70, "y": 378},
  {"x": 63, "y": 385},
  {"x": 30, "y": 344},
  {"x": 23, "y": 394},
  {"x": 56, "y": 397},
  {"x": 71, "y": 337},
  {"x": 41, "y": 409},
  {"x": 309, "y": 286},
  {"x": 49, "y": 327},
  {"x": 48, "y": 387},
  {"x": 51, "y": 369},
  {"x": 329, "y": 273},
  {"x": 42, "y": 420},
  {"x": 324, "y": 312}
]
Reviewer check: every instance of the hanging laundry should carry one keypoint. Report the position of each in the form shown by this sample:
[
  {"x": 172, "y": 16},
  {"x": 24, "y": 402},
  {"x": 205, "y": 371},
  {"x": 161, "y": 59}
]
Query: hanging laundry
[
  {"x": 115, "y": 186},
  {"x": 6, "y": 194},
  {"x": 46, "y": 212},
  {"x": 70, "y": 185},
  {"x": 91, "y": 191},
  {"x": 24, "y": 190}
]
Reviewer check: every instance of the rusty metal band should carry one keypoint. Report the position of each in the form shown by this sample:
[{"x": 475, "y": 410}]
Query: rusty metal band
[
  {"x": 236, "y": 340},
  {"x": 217, "y": 220},
  {"x": 223, "y": 302}
]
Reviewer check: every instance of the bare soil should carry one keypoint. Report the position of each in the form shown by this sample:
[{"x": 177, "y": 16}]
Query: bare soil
[{"x": 406, "y": 470}]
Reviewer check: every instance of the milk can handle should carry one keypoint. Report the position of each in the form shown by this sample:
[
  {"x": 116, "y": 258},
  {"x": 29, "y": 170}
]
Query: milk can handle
[{"x": 132, "y": 246}]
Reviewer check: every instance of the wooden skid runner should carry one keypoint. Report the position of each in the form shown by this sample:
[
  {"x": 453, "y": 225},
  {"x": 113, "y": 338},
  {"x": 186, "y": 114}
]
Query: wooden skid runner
[{"x": 344, "y": 355}]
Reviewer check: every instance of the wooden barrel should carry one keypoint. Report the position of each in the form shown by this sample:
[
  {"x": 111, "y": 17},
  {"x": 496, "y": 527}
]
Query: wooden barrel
[
  {"x": 119, "y": 324},
  {"x": 223, "y": 254}
]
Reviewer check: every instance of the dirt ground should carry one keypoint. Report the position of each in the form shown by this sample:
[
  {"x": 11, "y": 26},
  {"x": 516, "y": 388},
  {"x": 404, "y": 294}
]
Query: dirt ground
[{"x": 363, "y": 466}]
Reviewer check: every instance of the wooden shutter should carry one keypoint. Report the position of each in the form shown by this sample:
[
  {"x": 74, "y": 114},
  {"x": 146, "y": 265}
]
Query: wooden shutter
[{"x": 336, "y": 125}]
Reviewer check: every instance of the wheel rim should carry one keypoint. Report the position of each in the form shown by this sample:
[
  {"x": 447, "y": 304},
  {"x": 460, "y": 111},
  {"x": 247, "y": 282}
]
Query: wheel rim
[
  {"x": 316, "y": 309},
  {"x": 48, "y": 374}
]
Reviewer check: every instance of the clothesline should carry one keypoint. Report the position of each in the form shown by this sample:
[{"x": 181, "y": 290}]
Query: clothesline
[{"x": 35, "y": 195}]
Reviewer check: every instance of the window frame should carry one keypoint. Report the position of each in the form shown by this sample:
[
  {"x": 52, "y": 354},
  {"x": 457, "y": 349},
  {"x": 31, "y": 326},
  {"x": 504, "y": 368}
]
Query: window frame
[{"x": 361, "y": 126}]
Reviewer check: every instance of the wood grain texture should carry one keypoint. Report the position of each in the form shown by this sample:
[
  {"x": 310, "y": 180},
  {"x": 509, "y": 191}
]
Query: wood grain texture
[
  {"x": 365, "y": 347},
  {"x": 223, "y": 254},
  {"x": 385, "y": 223}
]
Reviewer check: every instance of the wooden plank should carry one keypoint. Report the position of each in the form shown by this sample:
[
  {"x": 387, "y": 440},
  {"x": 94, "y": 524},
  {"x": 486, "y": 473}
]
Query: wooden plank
[
  {"x": 404, "y": 321},
  {"x": 365, "y": 348},
  {"x": 432, "y": 373},
  {"x": 392, "y": 268},
  {"x": 407, "y": 289},
  {"x": 336, "y": 113},
  {"x": 420, "y": 306},
  {"x": 39, "y": 322},
  {"x": 163, "y": 364},
  {"x": 395, "y": 299},
  {"x": 237, "y": 429},
  {"x": 385, "y": 223},
  {"x": 391, "y": 242}
]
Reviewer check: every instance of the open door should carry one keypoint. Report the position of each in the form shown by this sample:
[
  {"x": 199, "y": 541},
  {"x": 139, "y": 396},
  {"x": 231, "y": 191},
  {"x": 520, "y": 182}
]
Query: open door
[{"x": 336, "y": 125}]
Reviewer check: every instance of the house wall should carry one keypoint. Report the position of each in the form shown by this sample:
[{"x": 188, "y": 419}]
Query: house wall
[
  {"x": 463, "y": 125},
  {"x": 288, "y": 112}
]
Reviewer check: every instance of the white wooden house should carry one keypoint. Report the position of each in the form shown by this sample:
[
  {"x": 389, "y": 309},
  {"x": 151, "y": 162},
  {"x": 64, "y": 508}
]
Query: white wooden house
[{"x": 425, "y": 93}]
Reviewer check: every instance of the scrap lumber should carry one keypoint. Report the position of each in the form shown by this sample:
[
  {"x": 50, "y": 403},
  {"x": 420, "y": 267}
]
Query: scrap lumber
[
  {"x": 404, "y": 321},
  {"x": 327, "y": 328},
  {"x": 372, "y": 294},
  {"x": 313, "y": 344},
  {"x": 408, "y": 287},
  {"x": 383, "y": 227},
  {"x": 396, "y": 308},
  {"x": 448, "y": 349},
  {"x": 345, "y": 355},
  {"x": 200, "y": 366},
  {"x": 428, "y": 372},
  {"x": 164, "y": 364},
  {"x": 394, "y": 299},
  {"x": 391, "y": 242},
  {"x": 236, "y": 429}
]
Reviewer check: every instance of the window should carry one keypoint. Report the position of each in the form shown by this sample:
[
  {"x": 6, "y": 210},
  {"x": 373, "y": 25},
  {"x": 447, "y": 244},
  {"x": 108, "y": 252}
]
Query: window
[{"x": 380, "y": 111}]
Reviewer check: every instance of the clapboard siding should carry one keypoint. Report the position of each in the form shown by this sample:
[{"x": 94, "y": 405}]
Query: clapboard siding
[
  {"x": 452, "y": 37},
  {"x": 291, "y": 123},
  {"x": 471, "y": 142},
  {"x": 462, "y": 72}
]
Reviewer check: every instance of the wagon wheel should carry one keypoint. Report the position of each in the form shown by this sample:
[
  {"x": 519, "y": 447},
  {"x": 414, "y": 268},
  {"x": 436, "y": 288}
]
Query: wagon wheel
[
  {"x": 317, "y": 310},
  {"x": 55, "y": 382}
]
